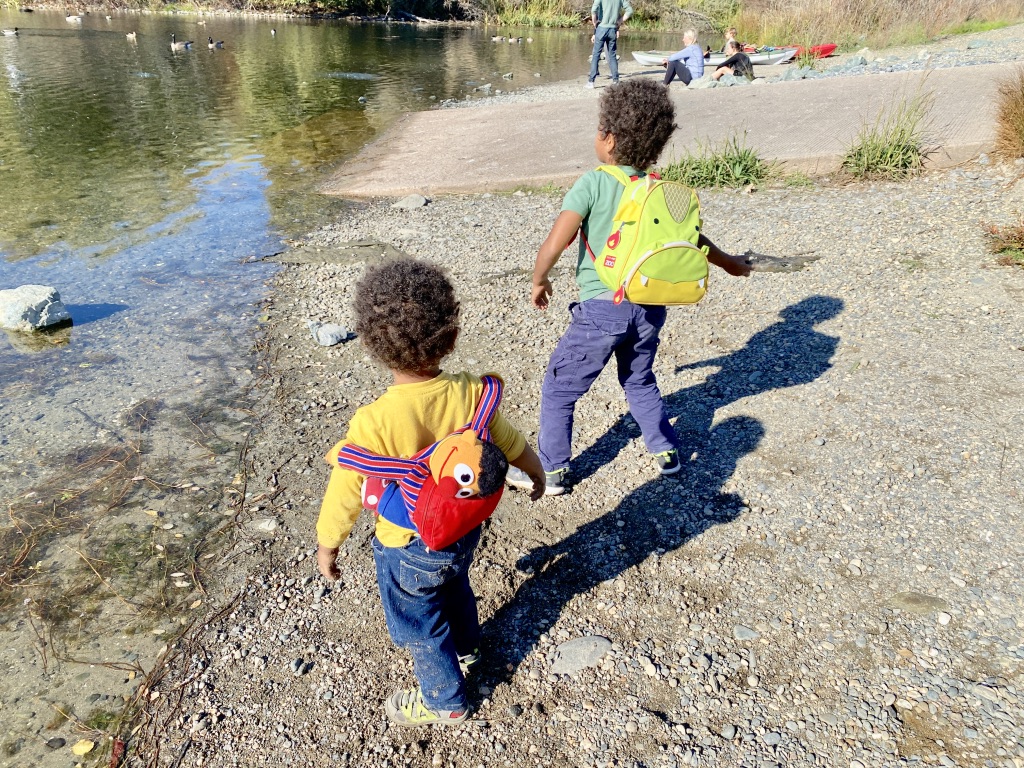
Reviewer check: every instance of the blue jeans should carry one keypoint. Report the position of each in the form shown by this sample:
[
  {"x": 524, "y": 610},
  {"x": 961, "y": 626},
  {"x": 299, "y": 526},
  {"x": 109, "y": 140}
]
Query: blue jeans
[
  {"x": 599, "y": 329},
  {"x": 431, "y": 610},
  {"x": 604, "y": 36}
]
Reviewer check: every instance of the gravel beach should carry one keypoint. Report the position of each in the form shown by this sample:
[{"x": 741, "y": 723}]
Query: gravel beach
[{"x": 832, "y": 580}]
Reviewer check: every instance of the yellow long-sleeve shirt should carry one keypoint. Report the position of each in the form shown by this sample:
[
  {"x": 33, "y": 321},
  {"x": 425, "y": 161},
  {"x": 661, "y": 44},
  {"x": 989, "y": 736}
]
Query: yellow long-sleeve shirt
[{"x": 401, "y": 422}]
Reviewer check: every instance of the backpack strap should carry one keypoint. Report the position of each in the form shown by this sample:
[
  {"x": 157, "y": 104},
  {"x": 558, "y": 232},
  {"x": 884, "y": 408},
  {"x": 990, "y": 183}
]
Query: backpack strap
[
  {"x": 409, "y": 473},
  {"x": 487, "y": 407},
  {"x": 620, "y": 176}
]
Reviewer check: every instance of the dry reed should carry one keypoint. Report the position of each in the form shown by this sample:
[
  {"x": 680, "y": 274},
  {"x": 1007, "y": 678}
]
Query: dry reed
[
  {"x": 852, "y": 23},
  {"x": 1009, "y": 143}
]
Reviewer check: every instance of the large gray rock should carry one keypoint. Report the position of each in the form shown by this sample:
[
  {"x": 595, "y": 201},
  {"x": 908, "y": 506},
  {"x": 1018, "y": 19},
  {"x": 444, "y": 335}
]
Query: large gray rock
[
  {"x": 328, "y": 334},
  {"x": 576, "y": 655},
  {"x": 705, "y": 82},
  {"x": 917, "y": 603},
  {"x": 793, "y": 74},
  {"x": 31, "y": 307},
  {"x": 413, "y": 201}
]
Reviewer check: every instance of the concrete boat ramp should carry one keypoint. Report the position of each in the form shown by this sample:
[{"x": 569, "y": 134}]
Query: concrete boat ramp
[{"x": 804, "y": 124}]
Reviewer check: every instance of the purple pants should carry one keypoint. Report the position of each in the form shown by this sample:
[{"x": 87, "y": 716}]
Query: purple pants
[{"x": 599, "y": 329}]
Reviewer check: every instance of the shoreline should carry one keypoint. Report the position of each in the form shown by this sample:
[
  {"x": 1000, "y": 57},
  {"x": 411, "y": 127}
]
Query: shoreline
[{"x": 800, "y": 119}]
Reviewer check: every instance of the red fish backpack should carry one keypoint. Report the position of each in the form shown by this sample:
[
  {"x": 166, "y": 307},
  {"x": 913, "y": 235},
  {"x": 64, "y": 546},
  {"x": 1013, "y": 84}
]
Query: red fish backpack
[{"x": 437, "y": 492}]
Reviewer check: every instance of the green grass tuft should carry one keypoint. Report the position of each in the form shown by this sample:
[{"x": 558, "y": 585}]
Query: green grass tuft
[
  {"x": 893, "y": 146},
  {"x": 798, "y": 180},
  {"x": 731, "y": 165},
  {"x": 101, "y": 719}
]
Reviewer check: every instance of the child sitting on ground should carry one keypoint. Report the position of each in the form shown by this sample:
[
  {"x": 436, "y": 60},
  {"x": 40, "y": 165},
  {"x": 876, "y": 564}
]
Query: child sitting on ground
[
  {"x": 407, "y": 316},
  {"x": 636, "y": 120}
]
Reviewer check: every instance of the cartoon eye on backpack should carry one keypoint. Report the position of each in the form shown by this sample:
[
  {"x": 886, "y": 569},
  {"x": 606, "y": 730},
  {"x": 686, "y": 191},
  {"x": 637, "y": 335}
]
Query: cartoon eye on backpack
[{"x": 447, "y": 489}]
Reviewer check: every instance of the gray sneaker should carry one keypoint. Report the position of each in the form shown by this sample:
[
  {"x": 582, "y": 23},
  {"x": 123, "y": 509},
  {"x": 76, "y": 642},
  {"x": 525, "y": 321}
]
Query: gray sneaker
[
  {"x": 554, "y": 481},
  {"x": 590, "y": 84},
  {"x": 668, "y": 462},
  {"x": 407, "y": 708}
]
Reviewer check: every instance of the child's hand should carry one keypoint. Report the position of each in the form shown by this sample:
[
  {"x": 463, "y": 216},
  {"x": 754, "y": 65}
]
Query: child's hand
[
  {"x": 541, "y": 293},
  {"x": 529, "y": 463},
  {"x": 539, "y": 484},
  {"x": 737, "y": 266},
  {"x": 326, "y": 559}
]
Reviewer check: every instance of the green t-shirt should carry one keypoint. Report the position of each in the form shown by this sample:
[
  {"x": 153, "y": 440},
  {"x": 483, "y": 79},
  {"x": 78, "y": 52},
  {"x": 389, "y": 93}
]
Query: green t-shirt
[
  {"x": 595, "y": 197},
  {"x": 607, "y": 12}
]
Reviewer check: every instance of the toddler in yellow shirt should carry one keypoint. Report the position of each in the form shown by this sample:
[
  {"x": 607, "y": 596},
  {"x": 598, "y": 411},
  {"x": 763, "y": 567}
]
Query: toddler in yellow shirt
[{"x": 407, "y": 317}]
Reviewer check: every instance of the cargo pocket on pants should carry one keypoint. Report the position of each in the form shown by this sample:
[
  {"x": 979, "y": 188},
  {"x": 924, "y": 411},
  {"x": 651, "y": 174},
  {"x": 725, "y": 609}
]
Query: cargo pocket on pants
[{"x": 565, "y": 364}]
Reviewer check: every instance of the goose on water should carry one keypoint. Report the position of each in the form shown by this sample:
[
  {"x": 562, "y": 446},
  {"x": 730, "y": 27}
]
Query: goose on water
[
  {"x": 73, "y": 19},
  {"x": 211, "y": 45},
  {"x": 131, "y": 35},
  {"x": 176, "y": 46},
  {"x": 9, "y": 32}
]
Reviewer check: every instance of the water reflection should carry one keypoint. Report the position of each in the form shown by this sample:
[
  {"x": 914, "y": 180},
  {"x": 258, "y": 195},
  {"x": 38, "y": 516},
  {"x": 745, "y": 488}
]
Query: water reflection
[{"x": 97, "y": 131}]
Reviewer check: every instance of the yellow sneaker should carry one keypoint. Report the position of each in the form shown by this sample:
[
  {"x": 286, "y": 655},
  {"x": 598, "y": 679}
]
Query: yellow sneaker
[{"x": 407, "y": 708}]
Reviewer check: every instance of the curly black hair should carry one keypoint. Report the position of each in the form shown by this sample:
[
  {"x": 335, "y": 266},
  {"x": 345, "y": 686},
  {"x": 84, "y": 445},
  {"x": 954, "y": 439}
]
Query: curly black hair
[
  {"x": 493, "y": 468},
  {"x": 641, "y": 117},
  {"x": 406, "y": 314}
]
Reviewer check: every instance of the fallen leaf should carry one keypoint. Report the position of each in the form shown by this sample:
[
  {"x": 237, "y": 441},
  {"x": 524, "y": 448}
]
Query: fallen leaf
[
  {"x": 84, "y": 747},
  {"x": 152, "y": 512},
  {"x": 196, "y": 604}
]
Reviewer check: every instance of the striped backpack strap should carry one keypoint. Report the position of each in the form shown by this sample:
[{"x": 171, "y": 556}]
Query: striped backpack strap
[
  {"x": 408, "y": 473},
  {"x": 487, "y": 407}
]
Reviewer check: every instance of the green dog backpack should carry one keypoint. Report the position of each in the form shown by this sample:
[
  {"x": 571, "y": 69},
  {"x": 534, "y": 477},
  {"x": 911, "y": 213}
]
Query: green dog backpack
[{"x": 651, "y": 255}]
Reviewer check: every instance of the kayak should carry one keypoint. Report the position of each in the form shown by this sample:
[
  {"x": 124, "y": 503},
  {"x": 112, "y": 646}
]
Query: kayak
[
  {"x": 776, "y": 56},
  {"x": 817, "y": 51}
]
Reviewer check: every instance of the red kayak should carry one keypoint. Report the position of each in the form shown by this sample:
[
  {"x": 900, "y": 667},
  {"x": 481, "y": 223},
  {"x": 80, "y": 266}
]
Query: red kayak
[{"x": 817, "y": 51}]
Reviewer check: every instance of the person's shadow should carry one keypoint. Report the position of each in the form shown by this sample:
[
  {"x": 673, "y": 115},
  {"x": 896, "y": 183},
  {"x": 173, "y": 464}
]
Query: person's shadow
[{"x": 663, "y": 514}]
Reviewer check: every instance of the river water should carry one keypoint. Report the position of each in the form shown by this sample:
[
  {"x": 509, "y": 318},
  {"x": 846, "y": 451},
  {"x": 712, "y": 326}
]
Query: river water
[{"x": 140, "y": 182}]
